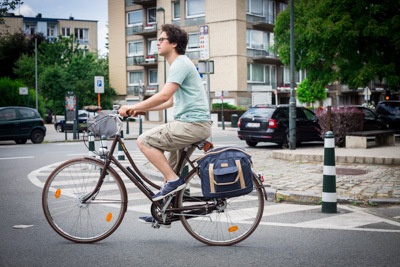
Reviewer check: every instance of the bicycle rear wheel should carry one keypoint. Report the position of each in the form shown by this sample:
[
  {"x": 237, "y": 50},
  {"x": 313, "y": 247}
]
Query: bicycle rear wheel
[
  {"x": 65, "y": 211},
  {"x": 234, "y": 219}
]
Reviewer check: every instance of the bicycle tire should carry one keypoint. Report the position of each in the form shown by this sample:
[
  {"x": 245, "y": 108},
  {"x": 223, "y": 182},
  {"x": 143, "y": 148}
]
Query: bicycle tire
[
  {"x": 233, "y": 223},
  {"x": 63, "y": 208}
]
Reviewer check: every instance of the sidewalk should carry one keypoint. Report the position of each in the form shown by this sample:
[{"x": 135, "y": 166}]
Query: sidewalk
[{"x": 363, "y": 176}]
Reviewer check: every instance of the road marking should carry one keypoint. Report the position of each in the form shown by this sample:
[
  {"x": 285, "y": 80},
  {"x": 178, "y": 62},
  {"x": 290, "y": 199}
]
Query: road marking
[{"x": 28, "y": 157}]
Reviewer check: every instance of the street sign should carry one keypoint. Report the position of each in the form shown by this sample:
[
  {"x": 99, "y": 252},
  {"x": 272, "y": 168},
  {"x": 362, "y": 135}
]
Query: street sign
[
  {"x": 99, "y": 84},
  {"x": 23, "y": 90},
  {"x": 204, "y": 43}
]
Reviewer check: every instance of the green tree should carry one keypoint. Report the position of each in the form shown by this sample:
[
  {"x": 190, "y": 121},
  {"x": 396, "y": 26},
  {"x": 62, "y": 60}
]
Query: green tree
[
  {"x": 310, "y": 93},
  {"x": 9, "y": 91},
  {"x": 349, "y": 41},
  {"x": 62, "y": 64}
]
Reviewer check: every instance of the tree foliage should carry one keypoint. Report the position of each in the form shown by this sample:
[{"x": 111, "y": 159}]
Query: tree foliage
[
  {"x": 310, "y": 93},
  {"x": 338, "y": 40},
  {"x": 62, "y": 68}
]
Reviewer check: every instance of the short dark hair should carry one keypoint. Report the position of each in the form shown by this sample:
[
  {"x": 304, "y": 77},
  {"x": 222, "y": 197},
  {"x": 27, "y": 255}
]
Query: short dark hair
[{"x": 176, "y": 35}]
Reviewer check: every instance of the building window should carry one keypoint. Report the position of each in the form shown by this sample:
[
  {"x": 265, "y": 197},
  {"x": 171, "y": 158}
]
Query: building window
[
  {"x": 30, "y": 29},
  {"x": 153, "y": 77},
  {"x": 176, "y": 10},
  {"x": 255, "y": 73},
  {"x": 135, "y": 78},
  {"x": 135, "y": 18},
  {"x": 135, "y": 49},
  {"x": 258, "y": 73},
  {"x": 82, "y": 36},
  {"x": 194, "y": 8},
  {"x": 66, "y": 32},
  {"x": 193, "y": 41},
  {"x": 261, "y": 8},
  {"x": 152, "y": 47},
  {"x": 151, "y": 16},
  {"x": 50, "y": 31},
  {"x": 299, "y": 75}
]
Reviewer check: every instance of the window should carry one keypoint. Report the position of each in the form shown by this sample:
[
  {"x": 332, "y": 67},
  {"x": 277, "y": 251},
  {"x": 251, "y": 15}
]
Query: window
[
  {"x": 255, "y": 73},
  {"x": 135, "y": 49},
  {"x": 82, "y": 35},
  {"x": 135, "y": 18},
  {"x": 66, "y": 32},
  {"x": 299, "y": 75},
  {"x": 193, "y": 41},
  {"x": 259, "y": 40},
  {"x": 176, "y": 10},
  {"x": 261, "y": 8},
  {"x": 135, "y": 78},
  {"x": 258, "y": 73},
  {"x": 30, "y": 29},
  {"x": 151, "y": 16},
  {"x": 153, "y": 78},
  {"x": 194, "y": 8},
  {"x": 51, "y": 31}
]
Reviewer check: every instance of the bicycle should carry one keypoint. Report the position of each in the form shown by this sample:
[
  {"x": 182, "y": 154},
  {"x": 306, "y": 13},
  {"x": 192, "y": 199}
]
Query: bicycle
[{"x": 85, "y": 199}]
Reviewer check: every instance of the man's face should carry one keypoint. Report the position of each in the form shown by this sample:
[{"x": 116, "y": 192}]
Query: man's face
[{"x": 163, "y": 44}]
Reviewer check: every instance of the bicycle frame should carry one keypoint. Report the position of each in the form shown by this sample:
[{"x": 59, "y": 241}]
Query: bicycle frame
[{"x": 137, "y": 177}]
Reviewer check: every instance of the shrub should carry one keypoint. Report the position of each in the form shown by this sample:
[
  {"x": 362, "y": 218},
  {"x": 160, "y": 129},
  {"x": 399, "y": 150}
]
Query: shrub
[
  {"x": 343, "y": 120},
  {"x": 218, "y": 106}
]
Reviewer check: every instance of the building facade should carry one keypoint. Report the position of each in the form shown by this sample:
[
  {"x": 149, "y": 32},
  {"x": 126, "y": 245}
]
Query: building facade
[
  {"x": 84, "y": 31},
  {"x": 236, "y": 36}
]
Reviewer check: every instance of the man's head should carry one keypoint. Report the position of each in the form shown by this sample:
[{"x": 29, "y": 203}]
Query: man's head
[{"x": 176, "y": 36}]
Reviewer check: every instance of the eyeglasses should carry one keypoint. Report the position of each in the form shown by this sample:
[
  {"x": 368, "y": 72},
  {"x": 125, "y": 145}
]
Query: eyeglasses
[{"x": 161, "y": 39}]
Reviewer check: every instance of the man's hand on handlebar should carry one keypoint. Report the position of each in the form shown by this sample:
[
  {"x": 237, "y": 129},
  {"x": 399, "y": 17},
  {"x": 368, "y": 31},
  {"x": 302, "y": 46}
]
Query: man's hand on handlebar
[{"x": 129, "y": 111}]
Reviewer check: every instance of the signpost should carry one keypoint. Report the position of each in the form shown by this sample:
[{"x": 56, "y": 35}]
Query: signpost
[
  {"x": 99, "y": 87},
  {"x": 24, "y": 91}
]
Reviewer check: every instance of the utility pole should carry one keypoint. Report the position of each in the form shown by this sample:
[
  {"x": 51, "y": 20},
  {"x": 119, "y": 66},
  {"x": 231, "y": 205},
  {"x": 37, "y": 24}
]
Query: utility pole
[{"x": 292, "y": 100}]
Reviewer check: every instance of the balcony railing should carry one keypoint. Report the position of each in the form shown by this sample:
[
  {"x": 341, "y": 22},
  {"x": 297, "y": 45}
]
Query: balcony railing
[
  {"x": 262, "y": 22},
  {"x": 149, "y": 90},
  {"x": 141, "y": 2},
  {"x": 149, "y": 60},
  {"x": 145, "y": 30}
]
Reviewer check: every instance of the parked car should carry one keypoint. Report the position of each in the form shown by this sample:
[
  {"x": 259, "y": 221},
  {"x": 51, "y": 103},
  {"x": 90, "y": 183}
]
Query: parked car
[
  {"x": 389, "y": 112},
  {"x": 20, "y": 124},
  {"x": 83, "y": 118},
  {"x": 271, "y": 124},
  {"x": 371, "y": 119}
]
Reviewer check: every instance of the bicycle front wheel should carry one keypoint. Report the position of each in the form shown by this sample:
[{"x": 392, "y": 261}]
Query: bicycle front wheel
[
  {"x": 232, "y": 221},
  {"x": 78, "y": 221}
]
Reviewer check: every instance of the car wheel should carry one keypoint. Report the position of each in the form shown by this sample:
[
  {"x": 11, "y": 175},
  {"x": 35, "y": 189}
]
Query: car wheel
[
  {"x": 59, "y": 128},
  {"x": 251, "y": 143},
  {"x": 37, "y": 136},
  {"x": 21, "y": 141}
]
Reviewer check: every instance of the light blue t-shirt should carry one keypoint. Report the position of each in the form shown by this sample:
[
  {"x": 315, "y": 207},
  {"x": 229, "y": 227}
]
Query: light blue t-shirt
[{"x": 190, "y": 100}]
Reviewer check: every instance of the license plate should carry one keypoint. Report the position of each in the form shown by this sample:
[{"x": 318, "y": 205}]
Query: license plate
[{"x": 253, "y": 125}]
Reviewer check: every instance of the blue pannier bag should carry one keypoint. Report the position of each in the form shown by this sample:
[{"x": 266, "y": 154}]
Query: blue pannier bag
[{"x": 225, "y": 172}]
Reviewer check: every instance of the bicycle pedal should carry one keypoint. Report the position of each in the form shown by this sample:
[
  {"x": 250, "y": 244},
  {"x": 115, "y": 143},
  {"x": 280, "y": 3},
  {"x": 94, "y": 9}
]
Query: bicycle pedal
[{"x": 155, "y": 225}]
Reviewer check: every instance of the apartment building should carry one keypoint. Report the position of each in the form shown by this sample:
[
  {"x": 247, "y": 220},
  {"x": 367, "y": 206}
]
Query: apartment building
[
  {"x": 237, "y": 41},
  {"x": 84, "y": 31}
]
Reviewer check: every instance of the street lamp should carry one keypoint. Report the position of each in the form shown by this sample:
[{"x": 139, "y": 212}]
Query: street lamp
[{"x": 161, "y": 9}]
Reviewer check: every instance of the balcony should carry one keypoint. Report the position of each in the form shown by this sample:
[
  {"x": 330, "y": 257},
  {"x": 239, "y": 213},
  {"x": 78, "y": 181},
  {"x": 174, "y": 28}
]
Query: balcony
[
  {"x": 266, "y": 23},
  {"x": 141, "y": 2},
  {"x": 262, "y": 56},
  {"x": 149, "y": 90},
  {"x": 144, "y": 30},
  {"x": 145, "y": 61}
]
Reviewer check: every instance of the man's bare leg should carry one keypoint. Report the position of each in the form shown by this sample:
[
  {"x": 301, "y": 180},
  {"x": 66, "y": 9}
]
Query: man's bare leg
[{"x": 158, "y": 159}]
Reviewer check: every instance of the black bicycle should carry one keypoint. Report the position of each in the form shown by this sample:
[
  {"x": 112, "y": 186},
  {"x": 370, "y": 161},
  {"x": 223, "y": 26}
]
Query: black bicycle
[{"x": 85, "y": 199}]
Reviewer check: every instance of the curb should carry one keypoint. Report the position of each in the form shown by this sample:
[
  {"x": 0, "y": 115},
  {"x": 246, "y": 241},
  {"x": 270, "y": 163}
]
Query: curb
[{"x": 339, "y": 159}]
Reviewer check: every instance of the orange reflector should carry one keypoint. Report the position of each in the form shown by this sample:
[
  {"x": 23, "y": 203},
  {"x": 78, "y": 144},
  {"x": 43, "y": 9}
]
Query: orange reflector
[
  {"x": 58, "y": 193},
  {"x": 233, "y": 229},
  {"x": 109, "y": 217}
]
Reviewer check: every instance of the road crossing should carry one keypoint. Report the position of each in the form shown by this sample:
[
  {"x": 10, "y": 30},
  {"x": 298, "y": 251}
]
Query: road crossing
[{"x": 275, "y": 214}]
